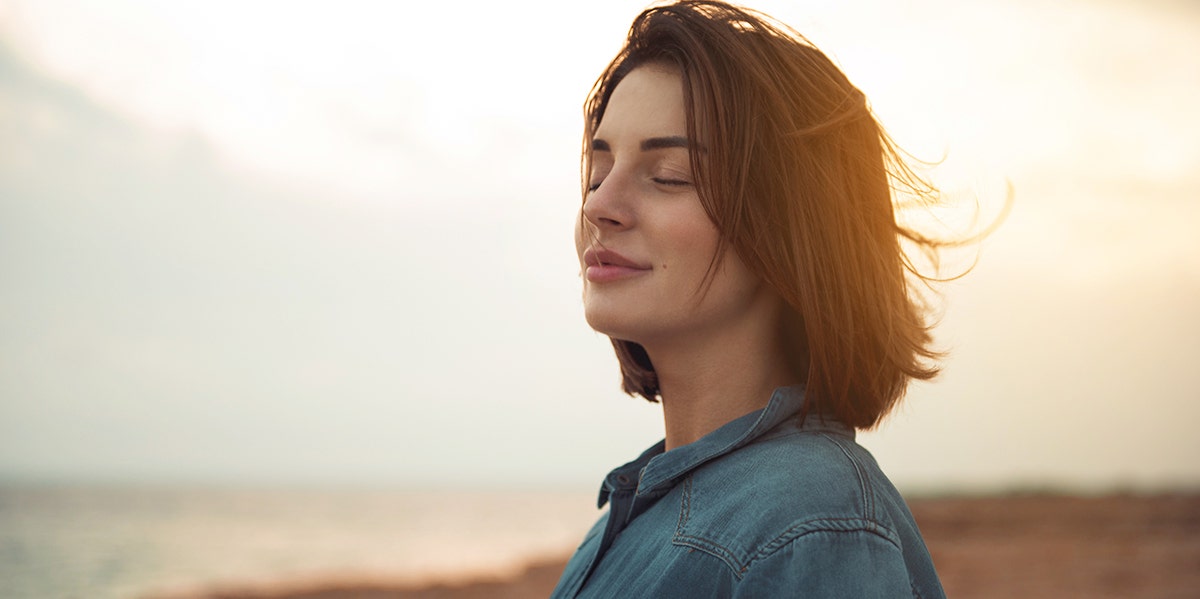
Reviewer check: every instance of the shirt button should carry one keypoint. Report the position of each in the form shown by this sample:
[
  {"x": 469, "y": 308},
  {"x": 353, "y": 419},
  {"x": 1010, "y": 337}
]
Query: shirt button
[{"x": 623, "y": 479}]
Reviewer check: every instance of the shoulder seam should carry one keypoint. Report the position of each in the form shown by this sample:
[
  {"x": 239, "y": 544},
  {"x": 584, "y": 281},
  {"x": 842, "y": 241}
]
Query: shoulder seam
[
  {"x": 796, "y": 531},
  {"x": 868, "y": 494},
  {"x": 830, "y": 525}
]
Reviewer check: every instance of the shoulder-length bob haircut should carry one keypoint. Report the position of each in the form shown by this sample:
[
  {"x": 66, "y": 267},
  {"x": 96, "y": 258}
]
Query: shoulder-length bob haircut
[{"x": 798, "y": 177}]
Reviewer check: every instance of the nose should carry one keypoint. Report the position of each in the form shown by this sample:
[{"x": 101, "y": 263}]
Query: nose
[{"x": 608, "y": 207}]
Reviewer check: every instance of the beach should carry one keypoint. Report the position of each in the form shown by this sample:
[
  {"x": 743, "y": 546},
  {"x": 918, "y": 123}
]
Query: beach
[{"x": 1022, "y": 545}]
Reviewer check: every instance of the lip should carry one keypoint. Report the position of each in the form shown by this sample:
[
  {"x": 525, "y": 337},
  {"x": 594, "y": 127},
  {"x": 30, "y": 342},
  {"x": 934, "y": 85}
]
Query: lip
[{"x": 604, "y": 265}]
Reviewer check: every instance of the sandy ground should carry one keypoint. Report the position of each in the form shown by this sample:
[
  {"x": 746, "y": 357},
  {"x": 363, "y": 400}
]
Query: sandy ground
[{"x": 1035, "y": 546}]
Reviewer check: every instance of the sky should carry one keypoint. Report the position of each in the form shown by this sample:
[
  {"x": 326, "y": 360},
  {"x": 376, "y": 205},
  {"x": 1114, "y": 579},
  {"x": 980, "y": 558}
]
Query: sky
[{"x": 300, "y": 243}]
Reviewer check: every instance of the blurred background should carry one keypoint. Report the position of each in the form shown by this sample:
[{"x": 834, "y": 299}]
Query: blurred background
[{"x": 300, "y": 275}]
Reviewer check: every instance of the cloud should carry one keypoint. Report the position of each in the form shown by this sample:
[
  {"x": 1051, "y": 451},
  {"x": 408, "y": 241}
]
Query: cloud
[
  {"x": 184, "y": 293},
  {"x": 166, "y": 315}
]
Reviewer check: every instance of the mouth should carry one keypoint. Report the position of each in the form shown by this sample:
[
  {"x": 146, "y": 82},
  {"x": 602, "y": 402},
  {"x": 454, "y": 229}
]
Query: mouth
[{"x": 605, "y": 265}]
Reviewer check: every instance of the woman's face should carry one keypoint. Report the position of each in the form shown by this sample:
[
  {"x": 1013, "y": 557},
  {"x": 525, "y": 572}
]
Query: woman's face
[{"x": 645, "y": 242}]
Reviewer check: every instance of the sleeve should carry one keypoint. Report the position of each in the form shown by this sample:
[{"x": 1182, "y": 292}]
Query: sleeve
[{"x": 819, "y": 564}]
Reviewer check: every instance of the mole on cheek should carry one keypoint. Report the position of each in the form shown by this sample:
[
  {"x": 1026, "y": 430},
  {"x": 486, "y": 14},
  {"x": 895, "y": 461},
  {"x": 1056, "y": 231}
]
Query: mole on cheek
[{"x": 664, "y": 265}]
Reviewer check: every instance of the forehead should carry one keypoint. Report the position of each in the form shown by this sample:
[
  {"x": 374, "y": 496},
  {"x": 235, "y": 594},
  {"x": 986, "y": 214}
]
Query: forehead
[{"x": 648, "y": 102}]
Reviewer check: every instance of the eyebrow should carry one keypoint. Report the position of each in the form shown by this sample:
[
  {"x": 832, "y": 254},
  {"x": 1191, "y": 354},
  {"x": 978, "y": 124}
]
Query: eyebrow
[
  {"x": 651, "y": 143},
  {"x": 658, "y": 143}
]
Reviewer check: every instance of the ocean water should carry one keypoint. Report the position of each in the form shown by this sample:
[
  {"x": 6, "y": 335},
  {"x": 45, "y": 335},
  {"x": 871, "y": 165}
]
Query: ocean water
[{"x": 131, "y": 542}]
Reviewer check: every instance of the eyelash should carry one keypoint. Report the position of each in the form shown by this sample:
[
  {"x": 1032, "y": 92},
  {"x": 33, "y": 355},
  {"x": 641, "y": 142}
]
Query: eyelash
[
  {"x": 671, "y": 182},
  {"x": 658, "y": 180}
]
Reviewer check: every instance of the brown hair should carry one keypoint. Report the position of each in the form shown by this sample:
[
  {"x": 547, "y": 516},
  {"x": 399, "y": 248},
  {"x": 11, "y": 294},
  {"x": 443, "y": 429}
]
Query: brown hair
[{"x": 798, "y": 177}]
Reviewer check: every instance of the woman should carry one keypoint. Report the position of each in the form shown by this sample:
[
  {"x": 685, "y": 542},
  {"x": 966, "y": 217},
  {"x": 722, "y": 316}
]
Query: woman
[{"x": 740, "y": 249}]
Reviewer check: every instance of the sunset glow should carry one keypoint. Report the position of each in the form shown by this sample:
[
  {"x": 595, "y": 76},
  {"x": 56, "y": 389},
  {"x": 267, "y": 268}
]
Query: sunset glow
[{"x": 286, "y": 221}]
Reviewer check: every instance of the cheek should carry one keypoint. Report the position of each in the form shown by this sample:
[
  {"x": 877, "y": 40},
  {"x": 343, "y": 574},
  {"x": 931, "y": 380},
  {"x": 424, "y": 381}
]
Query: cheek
[
  {"x": 693, "y": 242},
  {"x": 737, "y": 277}
]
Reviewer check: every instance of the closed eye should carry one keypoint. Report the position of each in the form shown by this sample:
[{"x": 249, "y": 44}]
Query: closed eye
[{"x": 672, "y": 182}]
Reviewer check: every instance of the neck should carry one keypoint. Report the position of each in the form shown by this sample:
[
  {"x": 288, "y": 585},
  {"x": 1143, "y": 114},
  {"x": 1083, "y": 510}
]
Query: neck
[{"x": 706, "y": 384}]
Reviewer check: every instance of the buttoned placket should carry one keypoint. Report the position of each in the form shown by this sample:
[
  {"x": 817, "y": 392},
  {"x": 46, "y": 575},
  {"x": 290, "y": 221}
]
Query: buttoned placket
[{"x": 620, "y": 492}]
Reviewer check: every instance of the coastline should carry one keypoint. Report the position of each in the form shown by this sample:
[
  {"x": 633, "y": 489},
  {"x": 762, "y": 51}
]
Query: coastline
[
  {"x": 1022, "y": 545},
  {"x": 536, "y": 579}
]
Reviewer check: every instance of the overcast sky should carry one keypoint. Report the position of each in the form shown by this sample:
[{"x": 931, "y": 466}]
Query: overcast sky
[{"x": 282, "y": 242}]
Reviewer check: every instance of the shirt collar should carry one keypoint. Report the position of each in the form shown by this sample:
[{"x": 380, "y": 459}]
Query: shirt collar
[{"x": 657, "y": 469}]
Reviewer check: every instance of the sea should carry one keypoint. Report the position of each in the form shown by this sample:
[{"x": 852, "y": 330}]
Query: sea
[{"x": 123, "y": 542}]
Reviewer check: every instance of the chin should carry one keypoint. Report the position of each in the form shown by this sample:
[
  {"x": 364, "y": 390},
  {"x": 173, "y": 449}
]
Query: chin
[
  {"x": 601, "y": 322},
  {"x": 615, "y": 323}
]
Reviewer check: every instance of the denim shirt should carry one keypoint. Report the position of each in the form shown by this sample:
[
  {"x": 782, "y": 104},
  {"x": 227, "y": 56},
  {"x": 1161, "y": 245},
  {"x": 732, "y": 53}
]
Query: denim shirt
[{"x": 762, "y": 507}]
